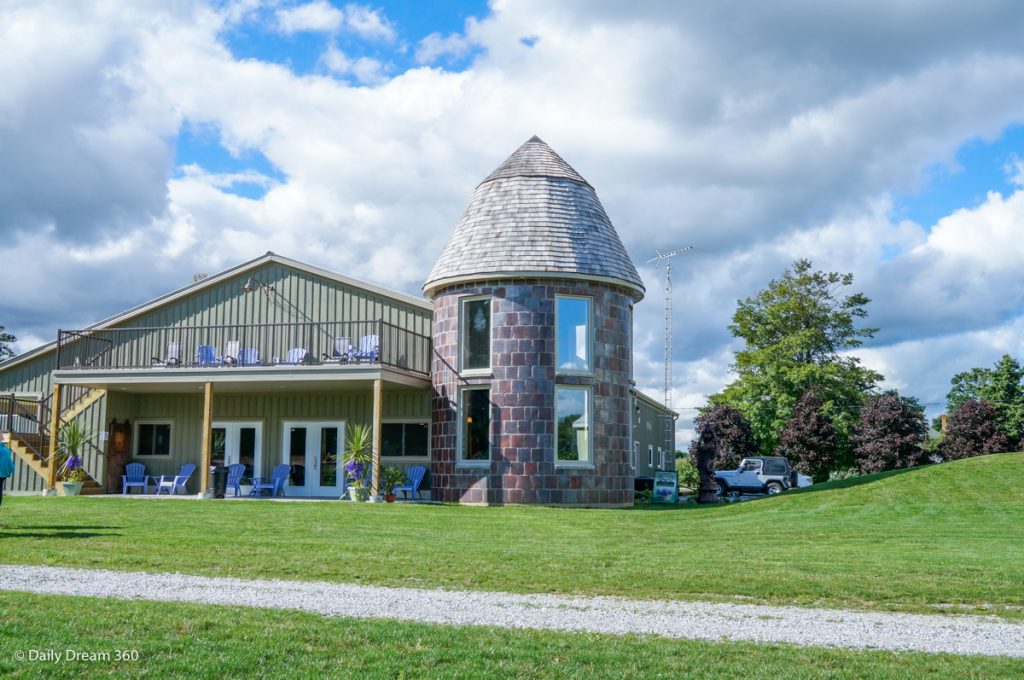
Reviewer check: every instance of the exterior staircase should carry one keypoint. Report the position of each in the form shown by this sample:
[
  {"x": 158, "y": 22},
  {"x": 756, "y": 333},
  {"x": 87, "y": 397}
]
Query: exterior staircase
[
  {"x": 34, "y": 450},
  {"x": 83, "y": 402}
]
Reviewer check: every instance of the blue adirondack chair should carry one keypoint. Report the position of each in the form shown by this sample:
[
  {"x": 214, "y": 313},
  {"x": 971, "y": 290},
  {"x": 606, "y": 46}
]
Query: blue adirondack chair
[
  {"x": 295, "y": 356},
  {"x": 235, "y": 473},
  {"x": 414, "y": 477},
  {"x": 134, "y": 475},
  {"x": 175, "y": 483},
  {"x": 275, "y": 484},
  {"x": 249, "y": 357},
  {"x": 369, "y": 347},
  {"x": 206, "y": 355}
]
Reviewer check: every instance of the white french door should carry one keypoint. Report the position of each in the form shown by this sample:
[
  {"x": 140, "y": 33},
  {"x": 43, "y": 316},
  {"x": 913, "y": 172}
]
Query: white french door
[
  {"x": 313, "y": 449},
  {"x": 238, "y": 442}
]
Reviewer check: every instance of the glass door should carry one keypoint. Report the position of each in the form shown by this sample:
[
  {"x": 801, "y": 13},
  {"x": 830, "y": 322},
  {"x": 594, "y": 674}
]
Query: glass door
[
  {"x": 313, "y": 449},
  {"x": 238, "y": 442}
]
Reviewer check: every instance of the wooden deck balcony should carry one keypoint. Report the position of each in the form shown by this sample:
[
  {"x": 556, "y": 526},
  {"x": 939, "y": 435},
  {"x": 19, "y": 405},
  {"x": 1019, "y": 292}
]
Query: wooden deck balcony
[{"x": 266, "y": 349}]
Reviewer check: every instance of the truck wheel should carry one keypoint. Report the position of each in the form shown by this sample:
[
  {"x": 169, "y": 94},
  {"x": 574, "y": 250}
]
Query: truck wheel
[
  {"x": 723, "y": 490},
  {"x": 773, "y": 488}
]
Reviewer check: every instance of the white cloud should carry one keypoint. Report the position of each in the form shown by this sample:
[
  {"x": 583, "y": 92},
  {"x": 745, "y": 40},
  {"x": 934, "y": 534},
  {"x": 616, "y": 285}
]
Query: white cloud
[
  {"x": 368, "y": 23},
  {"x": 758, "y": 141},
  {"x": 436, "y": 46},
  {"x": 366, "y": 70},
  {"x": 319, "y": 16}
]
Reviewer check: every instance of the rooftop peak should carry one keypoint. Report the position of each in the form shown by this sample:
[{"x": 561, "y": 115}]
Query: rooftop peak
[{"x": 535, "y": 159}]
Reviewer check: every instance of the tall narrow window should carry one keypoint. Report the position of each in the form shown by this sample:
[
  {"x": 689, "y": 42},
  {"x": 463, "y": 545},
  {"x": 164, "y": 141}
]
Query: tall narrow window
[
  {"x": 572, "y": 421},
  {"x": 572, "y": 316},
  {"x": 476, "y": 334},
  {"x": 475, "y": 425}
]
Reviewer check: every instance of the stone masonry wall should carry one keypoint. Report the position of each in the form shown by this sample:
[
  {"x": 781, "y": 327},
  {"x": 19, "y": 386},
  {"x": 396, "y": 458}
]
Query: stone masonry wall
[{"x": 522, "y": 382}]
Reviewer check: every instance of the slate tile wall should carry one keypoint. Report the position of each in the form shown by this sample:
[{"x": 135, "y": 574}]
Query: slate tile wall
[{"x": 522, "y": 382}]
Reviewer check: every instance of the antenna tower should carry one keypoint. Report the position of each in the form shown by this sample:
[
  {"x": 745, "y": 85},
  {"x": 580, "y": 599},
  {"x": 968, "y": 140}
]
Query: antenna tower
[{"x": 667, "y": 259}]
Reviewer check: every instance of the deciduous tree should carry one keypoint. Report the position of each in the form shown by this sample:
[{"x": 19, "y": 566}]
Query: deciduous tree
[
  {"x": 735, "y": 438},
  {"x": 974, "y": 430},
  {"x": 809, "y": 438},
  {"x": 889, "y": 434},
  {"x": 1002, "y": 387},
  {"x": 796, "y": 333}
]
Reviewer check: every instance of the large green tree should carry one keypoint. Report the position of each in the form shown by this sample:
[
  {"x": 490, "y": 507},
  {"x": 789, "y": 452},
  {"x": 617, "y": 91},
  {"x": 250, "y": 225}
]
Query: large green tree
[
  {"x": 796, "y": 333},
  {"x": 1002, "y": 387},
  {"x": 5, "y": 344}
]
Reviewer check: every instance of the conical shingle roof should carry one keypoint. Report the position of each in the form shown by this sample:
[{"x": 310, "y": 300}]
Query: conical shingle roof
[{"x": 534, "y": 216}]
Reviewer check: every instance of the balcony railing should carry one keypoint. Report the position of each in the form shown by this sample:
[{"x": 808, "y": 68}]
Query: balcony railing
[{"x": 329, "y": 344}]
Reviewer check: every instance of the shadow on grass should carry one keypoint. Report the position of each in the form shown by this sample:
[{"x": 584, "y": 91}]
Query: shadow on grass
[
  {"x": 15, "y": 533},
  {"x": 66, "y": 527}
]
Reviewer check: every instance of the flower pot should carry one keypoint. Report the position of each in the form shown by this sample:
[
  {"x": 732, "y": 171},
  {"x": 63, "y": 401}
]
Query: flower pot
[
  {"x": 358, "y": 494},
  {"x": 70, "y": 488},
  {"x": 390, "y": 498}
]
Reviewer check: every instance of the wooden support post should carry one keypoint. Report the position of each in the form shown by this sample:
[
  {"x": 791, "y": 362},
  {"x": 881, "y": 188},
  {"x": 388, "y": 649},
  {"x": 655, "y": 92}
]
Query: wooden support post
[
  {"x": 945, "y": 421},
  {"x": 378, "y": 389},
  {"x": 204, "y": 467},
  {"x": 51, "y": 483}
]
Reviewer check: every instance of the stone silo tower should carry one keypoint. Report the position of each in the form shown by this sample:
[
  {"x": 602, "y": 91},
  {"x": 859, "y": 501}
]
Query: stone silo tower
[{"x": 533, "y": 298}]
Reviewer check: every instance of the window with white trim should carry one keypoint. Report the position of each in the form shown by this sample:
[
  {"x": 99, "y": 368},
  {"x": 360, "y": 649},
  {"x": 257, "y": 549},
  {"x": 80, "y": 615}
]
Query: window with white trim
[
  {"x": 153, "y": 438},
  {"x": 475, "y": 335},
  {"x": 650, "y": 455},
  {"x": 572, "y": 334},
  {"x": 474, "y": 416},
  {"x": 410, "y": 439},
  {"x": 573, "y": 425},
  {"x": 635, "y": 458}
]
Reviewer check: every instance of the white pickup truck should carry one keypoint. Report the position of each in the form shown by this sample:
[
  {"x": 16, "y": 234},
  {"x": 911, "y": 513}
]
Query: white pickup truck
[{"x": 759, "y": 475}]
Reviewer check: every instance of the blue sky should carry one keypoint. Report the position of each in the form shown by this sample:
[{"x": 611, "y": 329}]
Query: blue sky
[{"x": 144, "y": 143}]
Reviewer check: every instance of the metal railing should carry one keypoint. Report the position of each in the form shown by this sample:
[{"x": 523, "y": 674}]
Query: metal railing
[{"x": 326, "y": 343}]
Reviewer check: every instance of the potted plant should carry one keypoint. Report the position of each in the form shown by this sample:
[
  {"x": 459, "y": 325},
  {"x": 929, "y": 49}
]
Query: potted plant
[
  {"x": 71, "y": 439},
  {"x": 390, "y": 477},
  {"x": 356, "y": 459}
]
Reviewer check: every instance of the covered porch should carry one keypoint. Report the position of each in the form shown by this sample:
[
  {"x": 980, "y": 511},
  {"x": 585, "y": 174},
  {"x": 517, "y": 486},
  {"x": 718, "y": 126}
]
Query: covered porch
[{"x": 259, "y": 417}]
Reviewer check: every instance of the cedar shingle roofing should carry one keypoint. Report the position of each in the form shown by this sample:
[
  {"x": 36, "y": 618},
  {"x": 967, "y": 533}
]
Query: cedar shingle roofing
[{"x": 534, "y": 215}]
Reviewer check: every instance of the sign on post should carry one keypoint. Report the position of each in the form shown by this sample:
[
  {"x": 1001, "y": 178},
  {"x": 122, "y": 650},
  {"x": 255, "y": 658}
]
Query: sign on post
[{"x": 666, "y": 487}]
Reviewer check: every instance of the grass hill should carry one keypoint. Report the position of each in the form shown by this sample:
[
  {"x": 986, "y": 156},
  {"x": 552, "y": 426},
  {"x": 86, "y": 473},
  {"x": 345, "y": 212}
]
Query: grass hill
[{"x": 946, "y": 537}]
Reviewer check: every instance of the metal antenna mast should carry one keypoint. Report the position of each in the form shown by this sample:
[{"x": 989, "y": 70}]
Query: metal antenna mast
[{"x": 667, "y": 259}]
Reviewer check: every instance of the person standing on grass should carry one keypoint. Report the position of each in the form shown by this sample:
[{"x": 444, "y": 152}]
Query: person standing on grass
[{"x": 6, "y": 468}]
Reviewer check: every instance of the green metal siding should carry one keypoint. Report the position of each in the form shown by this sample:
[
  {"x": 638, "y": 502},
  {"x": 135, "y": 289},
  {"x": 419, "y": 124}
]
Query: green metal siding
[
  {"x": 297, "y": 297},
  {"x": 649, "y": 430}
]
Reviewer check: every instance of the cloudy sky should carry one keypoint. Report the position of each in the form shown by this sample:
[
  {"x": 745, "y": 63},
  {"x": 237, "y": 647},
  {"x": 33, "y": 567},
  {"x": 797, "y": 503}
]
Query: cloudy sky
[{"x": 143, "y": 142}]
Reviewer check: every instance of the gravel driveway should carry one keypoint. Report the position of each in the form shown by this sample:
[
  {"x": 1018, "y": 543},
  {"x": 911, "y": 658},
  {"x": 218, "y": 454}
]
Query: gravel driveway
[{"x": 675, "y": 619}]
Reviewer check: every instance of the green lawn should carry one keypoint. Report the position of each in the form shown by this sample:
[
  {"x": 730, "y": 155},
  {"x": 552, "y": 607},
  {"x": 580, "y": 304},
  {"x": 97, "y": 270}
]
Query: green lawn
[
  {"x": 174, "y": 640},
  {"x": 947, "y": 537}
]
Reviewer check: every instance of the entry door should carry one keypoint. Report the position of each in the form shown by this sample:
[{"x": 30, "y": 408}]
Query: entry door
[
  {"x": 238, "y": 442},
  {"x": 313, "y": 449}
]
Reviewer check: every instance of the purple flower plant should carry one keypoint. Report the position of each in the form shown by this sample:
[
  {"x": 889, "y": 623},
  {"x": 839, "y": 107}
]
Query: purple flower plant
[{"x": 355, "y": 472}]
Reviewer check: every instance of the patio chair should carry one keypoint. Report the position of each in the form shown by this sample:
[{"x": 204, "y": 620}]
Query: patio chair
[
  {"x": 134, "y": 475},
  {"x": 275, "y": 484},
  {"x": 342, "y": 349},
  {"x": 231, "y": 352},
  {"x": 295, "y": 357},
  {"x": 175, "y": 483},
  {"x": 172, "y": 358},
  {"x": 369, "y": 348},
  {"x": 249, "y": 357},
  {"x": 414, "y": 477},
  {"x": 206, "y": 355},
  {"x": 235, "y": 473}
]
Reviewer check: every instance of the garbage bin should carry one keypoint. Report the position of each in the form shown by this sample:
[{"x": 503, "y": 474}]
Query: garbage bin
[{"x": 220, "y": 481}]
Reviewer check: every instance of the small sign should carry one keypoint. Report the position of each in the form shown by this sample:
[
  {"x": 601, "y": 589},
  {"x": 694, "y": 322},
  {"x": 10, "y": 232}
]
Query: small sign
[{"x": 666, "y": 487}]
